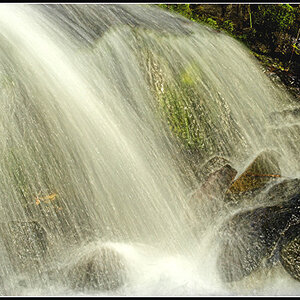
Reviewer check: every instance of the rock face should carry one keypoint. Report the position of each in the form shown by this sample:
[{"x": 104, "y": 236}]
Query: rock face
[
  {"x": 258, "y": 174},
  {"x": 99, "y": 269},
  {"x": 25, "y": 242},
  {"x": 257, "y": 238}
]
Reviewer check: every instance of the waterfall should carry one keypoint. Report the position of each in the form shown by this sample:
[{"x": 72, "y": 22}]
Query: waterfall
[{"x": 93, "y": 140}]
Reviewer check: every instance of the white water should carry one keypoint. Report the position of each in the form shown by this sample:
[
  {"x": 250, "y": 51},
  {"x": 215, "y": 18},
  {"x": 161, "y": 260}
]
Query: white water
[{"x": 78, "y": 119}]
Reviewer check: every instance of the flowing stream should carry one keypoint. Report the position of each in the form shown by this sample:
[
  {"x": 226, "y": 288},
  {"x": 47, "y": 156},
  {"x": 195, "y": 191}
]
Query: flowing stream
[{"x": 90, "y": 159}]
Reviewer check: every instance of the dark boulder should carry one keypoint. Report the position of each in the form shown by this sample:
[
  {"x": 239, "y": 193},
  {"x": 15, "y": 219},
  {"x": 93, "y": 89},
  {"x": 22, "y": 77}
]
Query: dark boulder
[
  {"x": 253, "y": 239},
  {"x": 290, "y": 248}
]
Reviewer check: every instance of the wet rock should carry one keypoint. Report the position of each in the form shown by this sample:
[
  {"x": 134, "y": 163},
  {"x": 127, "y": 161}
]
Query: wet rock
[
  {"x": 212, "y": 165},
  {"x": 290, "y": 257},
  {"x": 98, "y": 268},
  {"x": 207, "y": 200},
  {"x": 288, "y": 134},
  {"x": 26, "y": 244},
  {"x": 282, "y": 191},
  {"x": 217, "y": 182},
  {"x": 252, "y": 239},
  {"x": 290, "y": 249},
  {"x": 258, "y": 174},
  {"x": 285, "y": 116},
  {"x": 101, "y": 18}
]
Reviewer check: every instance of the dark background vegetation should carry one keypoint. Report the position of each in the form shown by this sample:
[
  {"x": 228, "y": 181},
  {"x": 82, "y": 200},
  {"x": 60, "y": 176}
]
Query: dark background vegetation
[{"x": 269, "y": 30}]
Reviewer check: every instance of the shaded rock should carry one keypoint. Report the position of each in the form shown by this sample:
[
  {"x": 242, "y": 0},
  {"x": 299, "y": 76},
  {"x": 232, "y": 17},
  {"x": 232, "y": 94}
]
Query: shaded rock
[
  {"x": 26, "y": 244},
  {"x": 99, "y": 268},
  {"x": 258, "y": 174},
  {"x": 252, "y": 239}
]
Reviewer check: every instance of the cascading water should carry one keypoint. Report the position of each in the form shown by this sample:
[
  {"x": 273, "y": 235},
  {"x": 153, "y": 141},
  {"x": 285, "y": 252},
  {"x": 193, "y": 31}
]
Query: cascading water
[{"x": 95, "y": 186}]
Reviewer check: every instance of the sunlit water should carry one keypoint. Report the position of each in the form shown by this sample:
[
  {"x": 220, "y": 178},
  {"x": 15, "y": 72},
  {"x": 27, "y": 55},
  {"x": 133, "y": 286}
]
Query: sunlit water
[{"x": 79, "y": 121}]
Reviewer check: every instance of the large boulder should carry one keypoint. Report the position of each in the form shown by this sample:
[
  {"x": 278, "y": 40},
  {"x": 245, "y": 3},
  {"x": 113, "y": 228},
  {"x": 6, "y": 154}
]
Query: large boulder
[
  {"x": 263, "y": 170},
  {"x": 96, "y": 267},
  {"x": 253, "y": 239}
]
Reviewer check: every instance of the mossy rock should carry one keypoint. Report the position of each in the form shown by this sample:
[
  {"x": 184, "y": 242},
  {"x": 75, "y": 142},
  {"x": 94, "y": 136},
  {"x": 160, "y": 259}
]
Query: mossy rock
[{"x": 101, "y": 268}]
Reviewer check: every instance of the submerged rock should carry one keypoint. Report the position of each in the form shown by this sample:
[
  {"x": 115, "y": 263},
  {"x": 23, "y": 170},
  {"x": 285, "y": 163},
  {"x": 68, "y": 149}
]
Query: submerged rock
[
  {"x": 258, "y": 174},
  {"x": 288, "y": 134},
  {"x": 99, "y": 268},
  {"x": 285, "y": 116},
  {"x": 207, "y": 200},
  {"x": 212, "y": 165},
  {"x": 217, "y": 182},
  {"x": 26, "y": 244},
  {"x": 253, "y": 239}
]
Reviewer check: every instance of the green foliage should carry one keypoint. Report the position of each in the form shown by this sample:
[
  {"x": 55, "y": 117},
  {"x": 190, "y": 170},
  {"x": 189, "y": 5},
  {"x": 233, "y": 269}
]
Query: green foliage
[
  {"x": 271, "y": 19},
  {"x": 228, "y": 26},
  {"x": 274, "y": 17},
  {"x": 212, "y": 22},
  {"x": 260, "y": 23},
  {"x": 183, "y": 9},
  {"x": 296, "y": 49}
]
